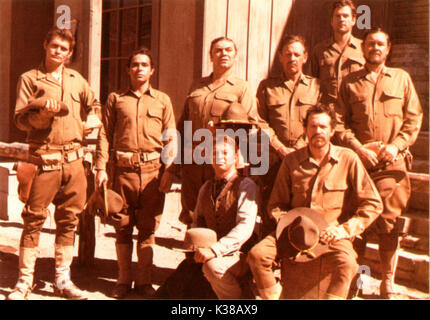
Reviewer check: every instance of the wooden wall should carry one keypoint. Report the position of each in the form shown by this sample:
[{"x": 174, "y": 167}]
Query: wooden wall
[{"x": 256, "y": 26}]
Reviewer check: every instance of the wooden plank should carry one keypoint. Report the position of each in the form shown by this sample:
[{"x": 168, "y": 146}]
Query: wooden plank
[
  {"x": 214, "y": 26},
  {"x": 155, "y": 40},
  {"x": 95, "y": 45},
  {"x": 237, "y": 30},
  {"x": 177, "y": 55},
  {"x": 281, "y": 10},
  {"x": 259, "y": 41}
]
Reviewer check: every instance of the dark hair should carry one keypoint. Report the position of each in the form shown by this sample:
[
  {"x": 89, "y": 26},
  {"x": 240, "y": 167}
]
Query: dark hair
[
  {"x": 376, "y": 30},
  {"x": 142, "y": 50},
  {"x": 64, "y": 34},
  {"x": 286, "y": 40},
  {"x": 216, "y": 40},
  {"x": 320, "y": 108},
  {"x": 344, "y": 3}
]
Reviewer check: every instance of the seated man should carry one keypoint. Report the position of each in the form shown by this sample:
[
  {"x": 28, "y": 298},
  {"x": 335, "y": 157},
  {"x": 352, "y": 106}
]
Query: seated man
[
  {"x": 228, "y": 205},
  {"x": 330, "y": 180}
]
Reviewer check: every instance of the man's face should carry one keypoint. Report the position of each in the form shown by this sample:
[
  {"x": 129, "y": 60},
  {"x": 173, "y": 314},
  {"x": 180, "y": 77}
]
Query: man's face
[
  {"x": 342, "y": 20},
  {"x": 57, "y": 50},
  {"x": 140, "y": 70},
  {"x": 223, "y": 157},
  {"x": 223, "y": 54},
  {"x": 319, "y": 130},
  {"x": 376, "y": 48},
  {"x": 293, "y": 57}
]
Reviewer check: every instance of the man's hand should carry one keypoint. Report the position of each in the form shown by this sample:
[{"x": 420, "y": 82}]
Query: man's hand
[
  {"x": 201, "y": 255},
  {"x": 93, "y": 122},
  {"x": 388, "y": 153},
  {"x": 333, "y": 233},
  {"x": 101, "y": 177},
  {"x": 369, "y": 157}
]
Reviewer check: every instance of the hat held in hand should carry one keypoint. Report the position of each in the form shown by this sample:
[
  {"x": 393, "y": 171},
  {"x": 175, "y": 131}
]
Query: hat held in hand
[
  {"x": 38, "y": 101},
  {"x": 198, "y": 238},
  {"x": 107, "y": 204},
  {"x": 236, "y": 114},
  {"x": 298, "y": 235}
]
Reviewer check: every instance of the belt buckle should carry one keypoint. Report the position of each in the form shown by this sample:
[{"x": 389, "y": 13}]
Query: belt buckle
[{"x": 71, "y": 156}]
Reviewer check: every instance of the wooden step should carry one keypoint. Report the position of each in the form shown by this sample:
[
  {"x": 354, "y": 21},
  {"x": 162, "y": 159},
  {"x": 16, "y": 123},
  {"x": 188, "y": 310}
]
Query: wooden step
[
  {"x": 421, "y": 166},
  {"x": 419, "y": 223},
  {"x": 419, "y": 191},
  {"x": 411, "y": 267}
]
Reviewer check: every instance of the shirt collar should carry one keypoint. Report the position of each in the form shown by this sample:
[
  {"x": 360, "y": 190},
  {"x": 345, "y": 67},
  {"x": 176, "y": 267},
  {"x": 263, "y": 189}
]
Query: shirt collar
[
  {"x": 149, "y": 92},
  {"x": 303, "y": 79},
  {"x": 306, "y": 155},
  {"x": 353, "y": 42},
  {"x": 385, "y": 71},
  {"x": 42, "y": 74}
]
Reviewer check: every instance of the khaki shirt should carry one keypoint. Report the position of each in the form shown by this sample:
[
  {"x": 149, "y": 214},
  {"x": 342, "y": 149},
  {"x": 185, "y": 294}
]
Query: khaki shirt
[
  {"x": 207, "y": 102},
  {"x": 133, "y": 124},
  {"x": 284, "y": 106},
  {"x": 74, "y": 92},
  {"x": 388, "y": 111},
  {"x": 331, "y": 65},
  {"x": 340, "y": 189}
]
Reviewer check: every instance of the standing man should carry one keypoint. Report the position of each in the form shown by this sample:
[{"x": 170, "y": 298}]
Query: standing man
[
  {"x": 55, "y": 144},
  {"x": 339, "y": 55},
  {"x": 284, "y": 101},
  {"x": 227, "y": 204},
  {"x": 132, "y": 140},
  {"x": 379, "y": 118},
  {"x": 332, "y": 181},
  {"x": 207, "y": 101}
]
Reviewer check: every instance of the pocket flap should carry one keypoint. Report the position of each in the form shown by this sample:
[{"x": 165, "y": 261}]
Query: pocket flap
[
  {"x": 276, "y": 101},
  {"x": 391, "y": 94},
  {"x": 333, "y": 185},
  {"x": 225, "y": 96},
  {"x": 155, "y": 112}
]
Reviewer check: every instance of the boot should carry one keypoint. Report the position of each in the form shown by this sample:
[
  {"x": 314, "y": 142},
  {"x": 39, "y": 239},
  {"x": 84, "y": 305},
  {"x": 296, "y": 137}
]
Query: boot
[
  {"x": 388, "y": 260},
  {"x": 123, "y": 285},
  {"x": 63, "y": 286},
  {"x": 143, "y": 285},
  {"x": 388, "y": 244},
  {"x": 271, "y": 293},
  {"x": 27, "y": 261}
]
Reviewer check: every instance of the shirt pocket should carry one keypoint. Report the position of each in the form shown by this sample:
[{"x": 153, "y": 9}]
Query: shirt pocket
[
  {"x": 304, "y": 104},
  {"x": 221, "y": 102},
  {"x": 155, "y": 120},
  {"x": 334, "y": 191},
  {"x": 194, "y": 100},
  {"x": 359, "y": 106},
  {"x": 393, "y": 103},
  {"x": 75, "y": 106}
]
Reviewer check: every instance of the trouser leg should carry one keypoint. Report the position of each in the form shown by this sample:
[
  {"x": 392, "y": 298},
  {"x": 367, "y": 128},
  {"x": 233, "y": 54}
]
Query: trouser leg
[
  {"x": 223, "y": 274},
  {"x": 261, "y": 260}
]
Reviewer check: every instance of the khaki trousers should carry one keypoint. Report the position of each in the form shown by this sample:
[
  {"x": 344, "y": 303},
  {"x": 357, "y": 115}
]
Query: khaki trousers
[{"x": 66, "y": 189}]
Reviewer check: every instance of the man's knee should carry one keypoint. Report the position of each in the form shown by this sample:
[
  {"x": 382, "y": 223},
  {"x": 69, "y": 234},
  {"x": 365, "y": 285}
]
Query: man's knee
[{"x": 261, "y": 254}]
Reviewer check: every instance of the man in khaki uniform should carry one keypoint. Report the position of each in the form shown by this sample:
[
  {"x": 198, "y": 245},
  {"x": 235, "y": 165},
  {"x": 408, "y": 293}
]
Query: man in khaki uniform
[
  {"x": 55, "y": 141},
  {"x": 336, "y": 57},
  {"x": 132, "y": 139},
  {"x": 207, "y": 101},
  {"x": 284, "y": 101},
  {"x": 331, "y": 180},
  {"x": 380, "y": 117}
]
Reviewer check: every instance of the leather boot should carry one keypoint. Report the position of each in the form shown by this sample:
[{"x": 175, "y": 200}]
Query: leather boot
[
  {"x": 388, "y": 244},
  {"x": 388, "y": 260},
  {"x": 123, "y": 285},
  {"x": 143, "y": 285},
  {"x": 271, "y": 293},
  {"x": 63, "y": 286},
  {"x": 27, "y": 261}
]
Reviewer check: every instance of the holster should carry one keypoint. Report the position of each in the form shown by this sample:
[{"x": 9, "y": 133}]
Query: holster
[{"x": 25, "y": 173}]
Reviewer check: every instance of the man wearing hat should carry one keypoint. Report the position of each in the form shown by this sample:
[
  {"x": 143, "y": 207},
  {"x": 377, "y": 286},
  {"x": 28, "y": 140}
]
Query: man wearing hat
[
  {"x": 56, "y": 108},
  {"x": 332, "y": 181},
  {"x": 283, "y": 102},
  {"x": 132, "y": 140},
  {"x": 227, "y": 204},
  {"x": 207, "y": 101}
]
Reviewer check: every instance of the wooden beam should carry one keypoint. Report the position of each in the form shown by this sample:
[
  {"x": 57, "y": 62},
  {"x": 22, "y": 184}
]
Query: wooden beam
[{"x": 95, "y": 45}]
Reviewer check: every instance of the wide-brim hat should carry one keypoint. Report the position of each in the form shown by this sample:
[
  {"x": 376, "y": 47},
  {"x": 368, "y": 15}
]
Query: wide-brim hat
[
  {"x": 107, "y": 201},
  {"x": 236, "y": 114},
  {"x": 39, "y": 103},
  {"x": 198, "y": 238},
  {"x": 298, "y": 235}
]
